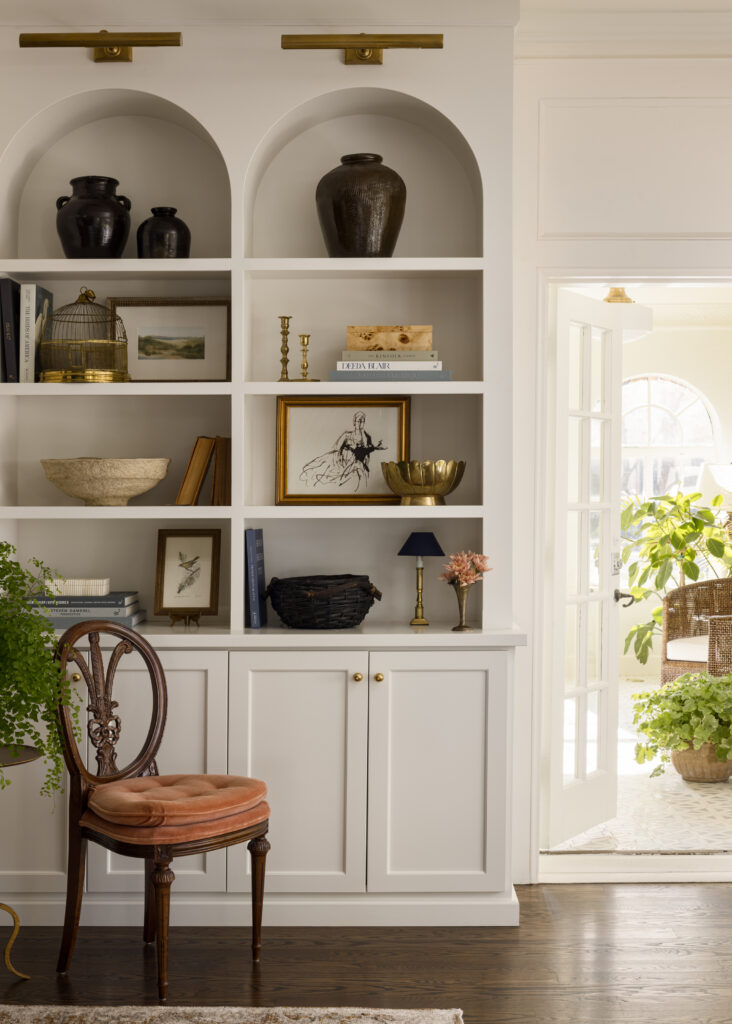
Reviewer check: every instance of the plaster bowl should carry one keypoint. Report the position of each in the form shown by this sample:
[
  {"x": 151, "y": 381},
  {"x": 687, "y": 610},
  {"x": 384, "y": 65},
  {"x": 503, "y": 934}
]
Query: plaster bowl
[
  {"x": 105, "y": 481},
  {"x": 423, "y": 483}
]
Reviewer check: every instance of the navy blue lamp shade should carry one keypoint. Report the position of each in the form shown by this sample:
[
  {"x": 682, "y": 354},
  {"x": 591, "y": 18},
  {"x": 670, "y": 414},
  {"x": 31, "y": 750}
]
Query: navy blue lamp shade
[{"x": 424, "y": 544}]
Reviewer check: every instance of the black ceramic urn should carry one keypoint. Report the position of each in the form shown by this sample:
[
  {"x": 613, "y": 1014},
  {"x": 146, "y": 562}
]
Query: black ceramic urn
[
  {"x": 361, "y": 206},
  {"x": 163, "y": 236},
  {"x": 93, "y": 222}
]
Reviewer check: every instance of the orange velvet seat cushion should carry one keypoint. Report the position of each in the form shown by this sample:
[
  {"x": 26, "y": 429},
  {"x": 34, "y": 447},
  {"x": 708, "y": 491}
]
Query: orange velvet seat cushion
[{"x": 175, "y": 800}]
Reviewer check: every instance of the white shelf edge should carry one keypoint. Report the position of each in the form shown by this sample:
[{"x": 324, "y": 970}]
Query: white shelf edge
[
  {"x": 115, "y": 512},
  {"x": 358, "y": 267},
  {"x": 32, "y": 269},
  {"x": 131, "y": 388},
  {"x": 363, "y": 511},
  {"x": 361, "y": 387}
]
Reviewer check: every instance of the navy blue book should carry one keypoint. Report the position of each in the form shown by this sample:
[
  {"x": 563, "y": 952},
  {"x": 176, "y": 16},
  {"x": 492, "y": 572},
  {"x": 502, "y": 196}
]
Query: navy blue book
[
  {"x": 256, "y": 605},
  {"x": 10, "y": 324}
]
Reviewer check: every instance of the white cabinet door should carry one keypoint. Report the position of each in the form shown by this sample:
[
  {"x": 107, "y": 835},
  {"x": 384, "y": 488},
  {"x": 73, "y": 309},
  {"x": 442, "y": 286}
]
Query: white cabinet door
[
  {"x": 194, "y": 742},
  {"x": 438, "y": 798},
  {"x": 299, "y": 721}
]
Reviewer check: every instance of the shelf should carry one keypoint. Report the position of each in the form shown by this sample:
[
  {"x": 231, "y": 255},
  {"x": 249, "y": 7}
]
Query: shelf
[
  {"x": 115, "y": 512},
  {"x": 393, "y": 266},
  {"x": 129, "y": 390},
  {"x": 361, "y": 387},
  {"x": 363, "y": 512},
  {"x": 60, "y": 269}
]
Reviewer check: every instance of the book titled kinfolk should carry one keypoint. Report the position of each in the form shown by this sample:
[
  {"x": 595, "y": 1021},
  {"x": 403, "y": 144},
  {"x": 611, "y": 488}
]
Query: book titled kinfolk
[
  {"x": 36, "y": 305},
  {"x": 256, "y": 603}
]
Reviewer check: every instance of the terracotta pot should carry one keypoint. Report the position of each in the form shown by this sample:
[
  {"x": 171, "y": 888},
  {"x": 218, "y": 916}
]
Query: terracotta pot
[
  {"x": 701, "y": 765},
  {"x": 93, "y": 222}
]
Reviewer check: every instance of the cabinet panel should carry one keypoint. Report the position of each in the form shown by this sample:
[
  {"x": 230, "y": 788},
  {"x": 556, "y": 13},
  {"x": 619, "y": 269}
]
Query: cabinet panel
[
  {"x": 298, "y": 720},
  {"x": 437, "y": 772},
  {"x": 194, "y": 741}
]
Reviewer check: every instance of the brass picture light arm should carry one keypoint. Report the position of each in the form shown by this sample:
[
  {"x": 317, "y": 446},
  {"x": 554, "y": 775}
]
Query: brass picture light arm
[
  {"x": 363, "y": 48},
  {"x": 107, "y": 46}
]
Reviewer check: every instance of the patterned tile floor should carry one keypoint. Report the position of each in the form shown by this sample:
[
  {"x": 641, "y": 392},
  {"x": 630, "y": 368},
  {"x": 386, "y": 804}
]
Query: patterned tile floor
[{"x": 658, "y": 815}]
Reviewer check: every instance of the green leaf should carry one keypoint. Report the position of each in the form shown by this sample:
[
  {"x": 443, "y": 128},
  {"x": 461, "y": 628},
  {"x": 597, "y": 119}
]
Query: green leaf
[
  {"x": 691, "y": 569},
  {"x": 716, "y": 547}
]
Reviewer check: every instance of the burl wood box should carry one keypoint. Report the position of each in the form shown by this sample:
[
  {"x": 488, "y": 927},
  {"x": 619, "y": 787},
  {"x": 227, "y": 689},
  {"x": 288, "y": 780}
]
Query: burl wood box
[{"x": 389, "y": 338}]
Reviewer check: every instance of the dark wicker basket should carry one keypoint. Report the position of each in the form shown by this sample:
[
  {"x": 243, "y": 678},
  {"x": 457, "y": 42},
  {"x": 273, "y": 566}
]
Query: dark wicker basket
[{"x": 322, "y": 602}]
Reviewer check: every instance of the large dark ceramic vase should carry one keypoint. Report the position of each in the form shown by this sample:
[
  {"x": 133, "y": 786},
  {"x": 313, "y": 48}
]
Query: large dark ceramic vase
[
  {"x": 361, "y": 207},
  {"x": 94, "y": 222},
  {"x": 163, "y": 236}
]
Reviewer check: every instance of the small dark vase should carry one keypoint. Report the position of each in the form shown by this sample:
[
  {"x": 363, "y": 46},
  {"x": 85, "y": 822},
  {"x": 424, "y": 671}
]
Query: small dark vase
[
  {"x": 94, "y": 222},
  {"x": 163, "y": 236},
  {"x": 361, "y": 207}
]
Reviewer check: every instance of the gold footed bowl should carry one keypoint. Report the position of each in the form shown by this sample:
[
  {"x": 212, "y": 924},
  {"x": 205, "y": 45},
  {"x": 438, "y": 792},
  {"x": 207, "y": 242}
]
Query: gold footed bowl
[{"x": 423, "y": 483}]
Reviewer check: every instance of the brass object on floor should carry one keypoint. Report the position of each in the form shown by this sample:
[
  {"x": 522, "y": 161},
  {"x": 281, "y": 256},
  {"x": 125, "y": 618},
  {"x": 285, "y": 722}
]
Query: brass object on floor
[
  {"x": 423, "y": 483},
  {"x": 284, "y": 350},
  {"x": 304, "y": 342},
  {"x": 109, "y": 47},
  {"x": 11, "y": 940},
  {"x": 364, "y": 48}
]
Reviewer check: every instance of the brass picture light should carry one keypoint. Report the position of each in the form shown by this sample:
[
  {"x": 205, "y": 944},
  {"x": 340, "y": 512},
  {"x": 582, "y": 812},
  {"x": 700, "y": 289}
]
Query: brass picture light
[
  {"x": 363, "y": 48},
  {"x": 109, "y": 47}
]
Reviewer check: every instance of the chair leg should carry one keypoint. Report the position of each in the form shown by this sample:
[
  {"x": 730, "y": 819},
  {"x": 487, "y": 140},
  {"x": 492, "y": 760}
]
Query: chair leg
[
  {"x": 162, "y": 879},
  {"x": 149, "y": 925},
  {"x": 74, "y": 893},
  {"x": 258, "y": 849}
]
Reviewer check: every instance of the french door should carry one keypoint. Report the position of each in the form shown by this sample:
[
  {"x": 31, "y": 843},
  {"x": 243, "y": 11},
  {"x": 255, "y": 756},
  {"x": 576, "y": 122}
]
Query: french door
[{"x": 582, "y": 636}]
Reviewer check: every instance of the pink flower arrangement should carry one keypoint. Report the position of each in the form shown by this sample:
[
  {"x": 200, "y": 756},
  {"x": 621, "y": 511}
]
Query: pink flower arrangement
[{"x": 464, "y": 568}]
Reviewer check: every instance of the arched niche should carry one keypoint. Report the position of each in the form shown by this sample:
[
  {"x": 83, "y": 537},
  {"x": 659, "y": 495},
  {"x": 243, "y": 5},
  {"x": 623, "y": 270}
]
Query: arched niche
[
  {"x": 444, "y": 191},
  {"x": 161, "y": 155}
]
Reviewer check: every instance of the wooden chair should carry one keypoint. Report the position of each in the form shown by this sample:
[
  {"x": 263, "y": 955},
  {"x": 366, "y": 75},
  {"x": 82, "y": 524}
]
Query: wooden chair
[
  {"x": 697, "y": 629},
  {"x": 139, "y": 813}
]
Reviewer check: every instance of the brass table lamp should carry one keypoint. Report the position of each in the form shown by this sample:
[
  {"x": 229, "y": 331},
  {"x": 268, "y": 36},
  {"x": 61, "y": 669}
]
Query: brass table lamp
[{"x": 422, "y": 545}]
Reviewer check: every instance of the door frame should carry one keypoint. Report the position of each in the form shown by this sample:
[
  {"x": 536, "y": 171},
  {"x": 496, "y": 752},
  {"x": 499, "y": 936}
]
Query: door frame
[{"x": 585, "y": 867}]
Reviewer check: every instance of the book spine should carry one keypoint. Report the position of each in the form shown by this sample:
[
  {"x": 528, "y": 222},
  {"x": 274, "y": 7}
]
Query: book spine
[
  {"x": 123, "y": 620},
  {"x": 375, "y": 375},
  {"x": 93, "y": 612},
  {"x": 261, "y": 579},
  {"x": 27, "y": 333},
  {"x": 9, "y": 315},
  {"x": 415, "y": 355},
  {"x": 122, "y": 598},
  {"x": 389, "y": 364},
  {"x": 250, "y": 544}
]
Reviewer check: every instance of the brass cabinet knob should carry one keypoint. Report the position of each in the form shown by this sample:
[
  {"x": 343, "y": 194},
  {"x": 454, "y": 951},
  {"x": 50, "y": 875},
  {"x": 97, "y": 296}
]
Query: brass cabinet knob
[
  {"x": 357, "y": 677},
  {"x": 76, "y": 677},
  {"x": 379, "y": 677}
]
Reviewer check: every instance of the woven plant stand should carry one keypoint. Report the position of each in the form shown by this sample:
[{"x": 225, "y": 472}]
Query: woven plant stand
[{"x": 701, "y": 765}]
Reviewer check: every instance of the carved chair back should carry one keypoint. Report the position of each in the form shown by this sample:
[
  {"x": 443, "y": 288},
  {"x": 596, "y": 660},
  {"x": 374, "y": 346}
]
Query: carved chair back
[{"x": 104, "y": 724}]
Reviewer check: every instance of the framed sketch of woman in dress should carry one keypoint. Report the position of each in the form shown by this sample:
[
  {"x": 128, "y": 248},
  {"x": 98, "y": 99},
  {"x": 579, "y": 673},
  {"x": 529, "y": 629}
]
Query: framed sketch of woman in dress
[{"x": 329, "y": 450}]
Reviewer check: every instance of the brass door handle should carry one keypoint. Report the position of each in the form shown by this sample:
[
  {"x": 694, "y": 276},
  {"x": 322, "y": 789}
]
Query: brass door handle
[
  {"x": 357, "y": 677},
  {"x": 379, "y": 677},
  {"x": 76, "y": 677}
]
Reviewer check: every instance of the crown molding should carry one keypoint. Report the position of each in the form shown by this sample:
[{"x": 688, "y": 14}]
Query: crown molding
[{"x": 603, "y": 33}]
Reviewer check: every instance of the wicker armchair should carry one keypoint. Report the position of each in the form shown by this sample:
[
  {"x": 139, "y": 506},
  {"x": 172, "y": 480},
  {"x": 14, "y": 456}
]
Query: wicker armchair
[{"x": 697, "y": 629}]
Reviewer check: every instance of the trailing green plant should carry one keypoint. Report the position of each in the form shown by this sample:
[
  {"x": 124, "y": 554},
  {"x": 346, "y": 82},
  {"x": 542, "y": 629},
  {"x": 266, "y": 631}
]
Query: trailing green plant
[
  {"x": 670, "y": 539},
  {"x": 692, "y": 710},
  {"x": 31, "y": 683}
]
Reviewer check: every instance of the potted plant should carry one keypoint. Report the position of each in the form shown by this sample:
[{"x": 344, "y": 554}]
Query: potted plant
[
  {"x": 670, "y": 539},
  {"x": 31, "y": 683},
  {"x": 689, "y": 723}
]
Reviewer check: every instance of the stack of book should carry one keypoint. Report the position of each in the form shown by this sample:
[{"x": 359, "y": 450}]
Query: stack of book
[
  {"x": 400, "y": 353},
  {"x": 205, "y": 450},
  {"x": 120, "y": 606},
  {"x": 24, "y": 310}
]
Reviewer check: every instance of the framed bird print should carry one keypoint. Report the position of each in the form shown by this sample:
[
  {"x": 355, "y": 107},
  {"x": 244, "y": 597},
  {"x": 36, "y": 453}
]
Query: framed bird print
[{"x": 187, "y": 579}]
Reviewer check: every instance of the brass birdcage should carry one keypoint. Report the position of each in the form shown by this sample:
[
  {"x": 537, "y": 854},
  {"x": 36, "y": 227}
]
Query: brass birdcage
[{"x": 83, "y": 342}]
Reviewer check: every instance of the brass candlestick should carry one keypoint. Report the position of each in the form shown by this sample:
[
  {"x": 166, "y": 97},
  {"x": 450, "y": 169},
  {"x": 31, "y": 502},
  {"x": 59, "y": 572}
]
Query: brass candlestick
[
  {"x": 285, "y": 331},
  {"x": 304, "y": 342}
]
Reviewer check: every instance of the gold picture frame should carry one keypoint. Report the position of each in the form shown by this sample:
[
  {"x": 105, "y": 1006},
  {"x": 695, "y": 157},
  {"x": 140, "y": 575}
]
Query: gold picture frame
[
  {"x": 187, "y": 573},
  {"x": 176, "y": 338},
  {"x": 326, "y": 448}
]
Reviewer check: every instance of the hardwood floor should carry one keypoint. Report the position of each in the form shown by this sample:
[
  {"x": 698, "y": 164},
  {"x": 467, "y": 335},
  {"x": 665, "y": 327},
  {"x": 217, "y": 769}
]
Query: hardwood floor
[{"x": 637, "y": 954}]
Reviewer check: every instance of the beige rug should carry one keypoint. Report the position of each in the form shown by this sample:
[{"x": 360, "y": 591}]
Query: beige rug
[{"x": 220, "y": 1015}]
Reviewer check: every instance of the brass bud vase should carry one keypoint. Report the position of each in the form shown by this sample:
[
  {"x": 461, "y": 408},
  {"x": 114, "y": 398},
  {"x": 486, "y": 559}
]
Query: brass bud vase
[{"x": 461, "y": 592}]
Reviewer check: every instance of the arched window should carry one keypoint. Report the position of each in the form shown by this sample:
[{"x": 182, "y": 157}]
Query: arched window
[{"x": 668, "y": 434}]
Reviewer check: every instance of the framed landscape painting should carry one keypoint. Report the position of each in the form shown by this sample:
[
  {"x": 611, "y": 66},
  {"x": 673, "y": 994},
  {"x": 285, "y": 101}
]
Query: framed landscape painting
[
  {"x": 330, "y": 450},
  {"x": 176, "y": 339}
]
